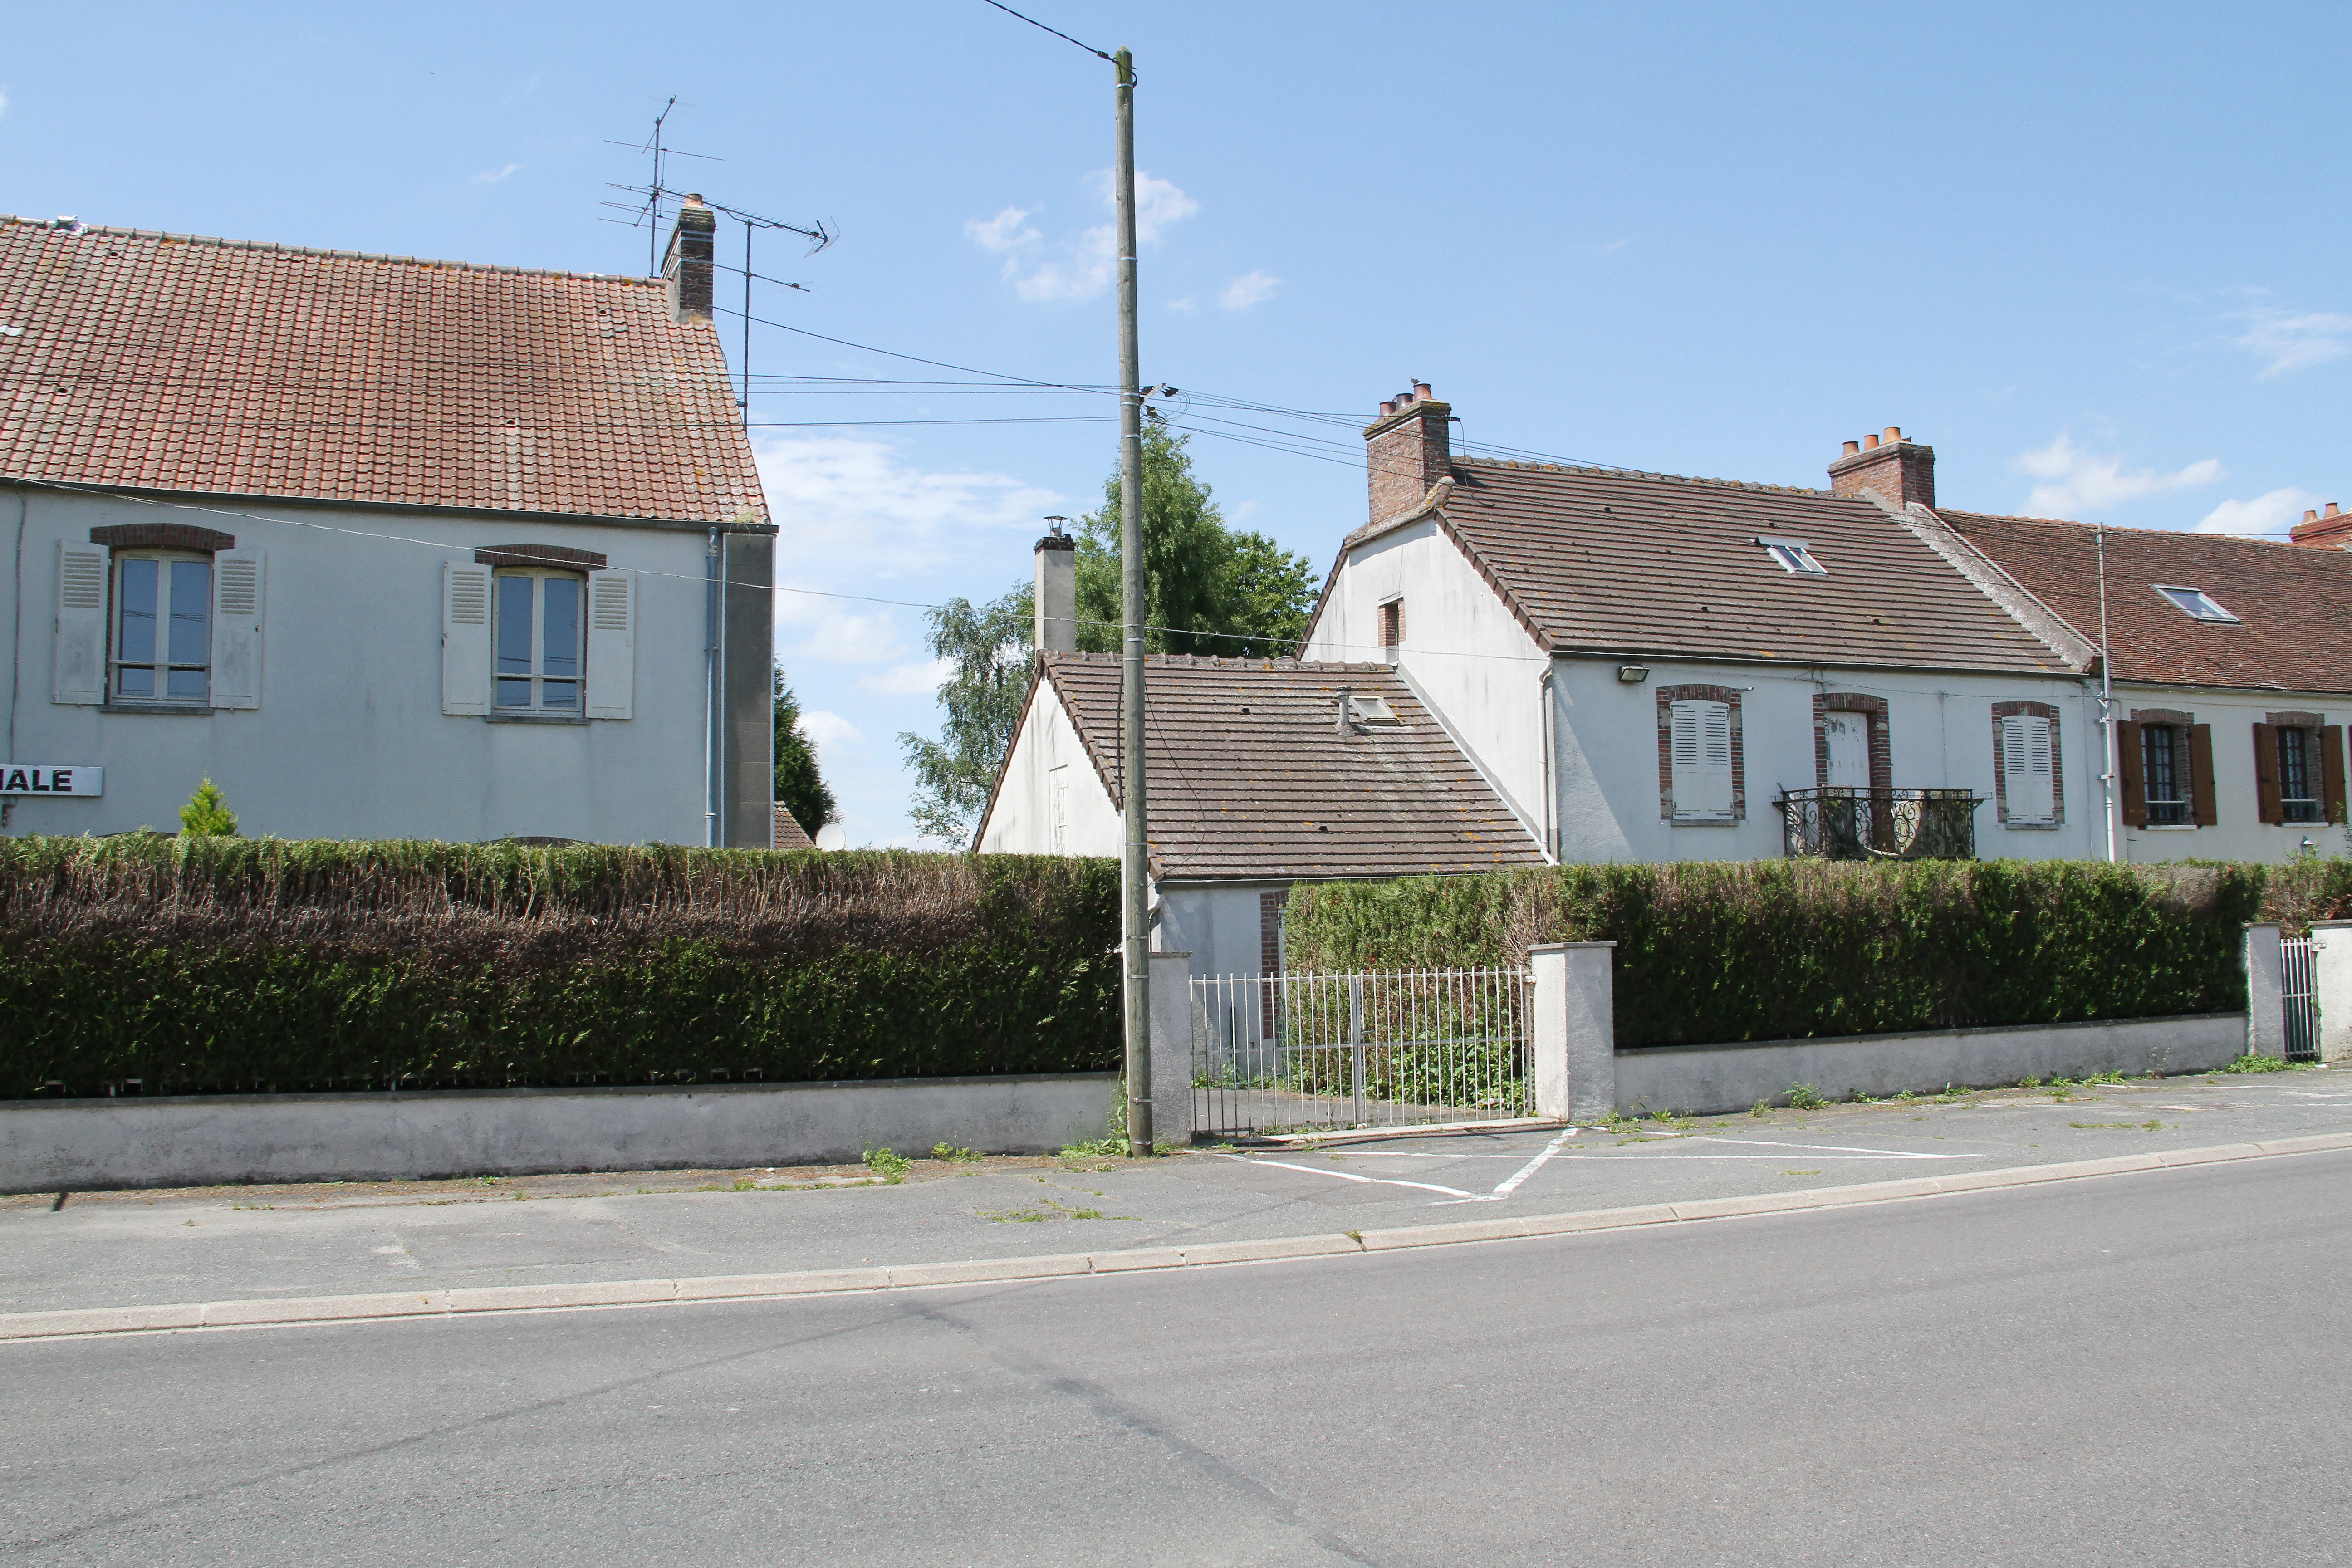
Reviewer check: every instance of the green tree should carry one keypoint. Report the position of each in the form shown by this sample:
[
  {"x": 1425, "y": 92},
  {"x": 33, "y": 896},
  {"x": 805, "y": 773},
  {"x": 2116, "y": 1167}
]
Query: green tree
[
  {"x": 800, "y": 789},
  {"x": 206, "y": 815},
  {"x": 1216, "y": 590},
  {"x": 989, "y": 646},
  {"x": 1208, "y": 589}
]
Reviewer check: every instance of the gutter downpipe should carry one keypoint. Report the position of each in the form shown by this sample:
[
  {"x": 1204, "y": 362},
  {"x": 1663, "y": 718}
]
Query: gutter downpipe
[
  {"x": 2106, "y": 698},
  {"x": 711, "y": 693}
]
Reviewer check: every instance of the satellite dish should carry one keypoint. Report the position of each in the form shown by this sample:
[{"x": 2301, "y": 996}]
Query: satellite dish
[{"x": 833, "y": 836}]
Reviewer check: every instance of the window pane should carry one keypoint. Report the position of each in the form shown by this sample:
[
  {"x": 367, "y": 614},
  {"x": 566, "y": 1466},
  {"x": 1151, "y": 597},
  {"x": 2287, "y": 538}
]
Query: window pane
[
  {"x": 514, "y": 693},
  {"x": 192, "y": 614},
  {"x": 137, "y": 639},
  {"x": 560, "y": 647},
  {"x": 514, "y": 629},
  {"x": 559, "y": 694}
]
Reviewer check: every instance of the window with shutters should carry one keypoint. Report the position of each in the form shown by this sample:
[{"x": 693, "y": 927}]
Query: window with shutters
[
  {"x": 2165, "y": 774},
  {"x": 2028, "y": 771},
  {"x": 1699, "y": 755},
  {"x": 160, "y": 642},
  {"x": 2298, "y": 775},
  {"x": 538, "y": 639}
]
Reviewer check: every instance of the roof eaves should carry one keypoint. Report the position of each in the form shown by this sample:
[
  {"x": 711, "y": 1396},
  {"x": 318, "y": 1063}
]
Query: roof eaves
[
  {"x": 171, "y": 237},
  {"x": 744, "y": 521}
]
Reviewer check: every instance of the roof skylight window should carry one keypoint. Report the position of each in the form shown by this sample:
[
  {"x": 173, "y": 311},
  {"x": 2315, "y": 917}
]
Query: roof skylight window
[
  {"x": 1368, "y": 708},
  {"x": 1795, "y": 557},
  {"x": 2196, "y": 602}
]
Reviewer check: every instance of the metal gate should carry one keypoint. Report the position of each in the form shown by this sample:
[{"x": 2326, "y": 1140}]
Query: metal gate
[
  {"x": 2301, "y": 999},
  {"x": 1289, "y": 1053}
]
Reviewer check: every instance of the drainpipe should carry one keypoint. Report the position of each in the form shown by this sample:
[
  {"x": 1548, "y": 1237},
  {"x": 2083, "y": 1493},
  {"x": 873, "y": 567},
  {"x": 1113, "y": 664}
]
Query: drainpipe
[
  {"x": 711, "y": 693},
  {"x": 2108, "y": 753}
]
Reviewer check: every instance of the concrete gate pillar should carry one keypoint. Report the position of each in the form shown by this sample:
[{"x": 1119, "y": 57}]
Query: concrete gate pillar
[
  {"x": 2331, "y": 977},
  {"x": 1573, "y": 1033},
  {"x": 2266, "y": 966},
  {"x": 1172, "y": 1048}
]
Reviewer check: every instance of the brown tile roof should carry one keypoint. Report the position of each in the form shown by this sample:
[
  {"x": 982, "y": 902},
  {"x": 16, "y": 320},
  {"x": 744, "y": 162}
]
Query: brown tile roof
[
  {"x": 2293, "y": 604},
  {"x": 789, "y": 834},
  {"x": 1642, "y": 563},
  {"x": 171, "y": 363},
  {"x": 1249, "y": 777}
]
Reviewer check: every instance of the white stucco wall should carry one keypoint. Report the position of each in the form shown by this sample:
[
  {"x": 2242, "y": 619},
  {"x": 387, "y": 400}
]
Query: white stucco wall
[
  {"x": 1051, "y": 800},
  {"x": 1939, "y": 732},
  {"x": 1464, "y": 653},
  {"x": 2238, "y": 835},
  {"x": 1217, "y": 923},
  {"x": 350, "y": 740}
]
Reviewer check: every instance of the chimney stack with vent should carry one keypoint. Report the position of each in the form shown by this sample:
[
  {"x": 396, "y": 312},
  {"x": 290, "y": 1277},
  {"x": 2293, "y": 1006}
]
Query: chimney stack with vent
[
  {"x": 1902, "y": 471},
  {"x": 1057, "y": 591},
  {"x": 2331, "y": 530},
  {"x": 685, "y": 269},
  {"x": 1407, "y": 449}
]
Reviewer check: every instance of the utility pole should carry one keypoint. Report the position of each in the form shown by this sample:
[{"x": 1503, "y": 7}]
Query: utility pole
[
  {"x": 2107, "y": 747},
  {"x": 1135, "y": 870}
]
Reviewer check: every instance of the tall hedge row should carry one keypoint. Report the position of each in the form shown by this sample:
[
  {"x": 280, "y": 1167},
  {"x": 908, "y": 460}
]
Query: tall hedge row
[
  {"x": 218, "y": 963},
  {"x": 1789, "y": 950}
]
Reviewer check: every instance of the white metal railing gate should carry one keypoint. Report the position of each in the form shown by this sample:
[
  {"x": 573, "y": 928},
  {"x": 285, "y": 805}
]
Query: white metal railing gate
[
  {"x": 2300, "y": 998},
  {"x": 1282, "y": 1053}
]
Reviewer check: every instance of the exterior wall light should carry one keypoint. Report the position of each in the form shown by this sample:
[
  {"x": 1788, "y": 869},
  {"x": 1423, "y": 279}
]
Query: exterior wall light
[{"x": 1633, "y": 674}]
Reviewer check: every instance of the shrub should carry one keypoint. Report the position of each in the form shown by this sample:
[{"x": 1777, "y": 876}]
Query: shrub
[
  {"x": 1785, "y": 948},
  {"x": 197, "y": 964}
]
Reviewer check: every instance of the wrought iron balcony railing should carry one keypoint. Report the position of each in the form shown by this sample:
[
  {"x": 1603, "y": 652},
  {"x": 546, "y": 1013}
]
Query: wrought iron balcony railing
[{"x": 1880, "y": 823}]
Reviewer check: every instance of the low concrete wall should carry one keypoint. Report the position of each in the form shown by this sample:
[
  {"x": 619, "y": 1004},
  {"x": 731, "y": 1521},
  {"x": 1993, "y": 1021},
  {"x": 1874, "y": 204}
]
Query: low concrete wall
[
  {"x": 79, "y": 1144},
  {"x": 1710, "y": 1079}
]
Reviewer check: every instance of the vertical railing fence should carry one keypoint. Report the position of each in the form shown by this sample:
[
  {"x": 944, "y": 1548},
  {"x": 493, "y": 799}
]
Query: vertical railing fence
[
  {"x": 1285, "y": 1053},
  {"x": 2299, "y": 997}
]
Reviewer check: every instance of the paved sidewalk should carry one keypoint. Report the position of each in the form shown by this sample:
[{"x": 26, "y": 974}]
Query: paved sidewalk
[{"x": 244, "y": 1244}]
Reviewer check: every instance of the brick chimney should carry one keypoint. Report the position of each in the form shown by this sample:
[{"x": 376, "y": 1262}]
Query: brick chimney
[
  {"x": 686, "y": 269},
  {"x": 1407, "y": 449},
  {"x": 1903, "y": 471},
  {"x": 1057, "y": 597},
  {"x": 2330, "y": 530}
]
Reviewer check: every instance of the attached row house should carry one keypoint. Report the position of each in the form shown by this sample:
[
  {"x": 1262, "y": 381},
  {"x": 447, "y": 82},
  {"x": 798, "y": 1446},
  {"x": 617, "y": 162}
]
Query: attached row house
[
  {"x": 384, "y": 547},
  {"x": 1616, "y": 666}
]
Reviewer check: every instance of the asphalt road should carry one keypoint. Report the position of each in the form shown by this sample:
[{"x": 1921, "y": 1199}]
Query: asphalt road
[
  {"x": 2144, "y": 1369},
  {"x": 60, "y": 1251}
]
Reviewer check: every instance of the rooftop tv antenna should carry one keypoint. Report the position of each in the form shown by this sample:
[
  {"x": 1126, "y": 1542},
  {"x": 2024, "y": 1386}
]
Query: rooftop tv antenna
[
  {"x": 819, "y": 234},
  {"x": 649, "y": 212}
]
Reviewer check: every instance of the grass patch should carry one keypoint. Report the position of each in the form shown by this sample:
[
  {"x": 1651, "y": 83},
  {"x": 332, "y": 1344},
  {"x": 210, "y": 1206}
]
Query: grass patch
[
  {"x": 953, "y": 1156},
  {"x": 887, "y": 1163}
]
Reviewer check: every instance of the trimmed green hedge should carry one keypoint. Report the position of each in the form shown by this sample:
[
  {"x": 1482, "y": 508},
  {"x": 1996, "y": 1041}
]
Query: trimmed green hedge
[
  {"x": 1791, "y": 950},
  {"x": 214, "y": 964}
]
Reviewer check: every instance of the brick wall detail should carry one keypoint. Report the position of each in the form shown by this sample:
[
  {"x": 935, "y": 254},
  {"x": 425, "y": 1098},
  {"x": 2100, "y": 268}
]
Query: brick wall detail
[
  {"x": 539, "y": 556},
  {"x": 1882, "y": 753},
  {"x": 1729, "y": 697},
  {"x": 162, "y": 536},
  {"x": 2057, "y": 759}
]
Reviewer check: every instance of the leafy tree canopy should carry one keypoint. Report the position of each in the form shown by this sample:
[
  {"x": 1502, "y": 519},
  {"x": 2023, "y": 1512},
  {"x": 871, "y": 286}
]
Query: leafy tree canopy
[
  {"x": 800, "y": 789},
  {"x": 206, "y": 815}
]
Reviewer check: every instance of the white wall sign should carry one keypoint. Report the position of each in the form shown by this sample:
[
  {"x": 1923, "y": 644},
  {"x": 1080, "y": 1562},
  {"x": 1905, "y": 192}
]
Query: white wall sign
[{"x": 48, "y": 778}]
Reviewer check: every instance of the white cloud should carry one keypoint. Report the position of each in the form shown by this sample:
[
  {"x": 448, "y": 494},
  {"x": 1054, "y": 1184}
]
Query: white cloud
[
  {"x": 1184, "y": 305},
  {"x": 2076, "y": 481},
  {"x": 492, "y": 176},
  {"x": 1249, "y": 288},
  {"x": 829, "y": 732},
  {"x": 848, "y": 500},
  {"x": 2291, "y": 342},
  {"x": 4, "y": 101},
  {"x": 1084, "y": 263},
  {"x": 2271, "y": 513},
  {"x": 1007, "y": 230},
  {"x": 917, "y": 678}
]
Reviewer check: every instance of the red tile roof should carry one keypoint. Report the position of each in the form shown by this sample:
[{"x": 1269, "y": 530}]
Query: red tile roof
[
  {"x": 2293, "y": 604},
  {"x": 1621, "y": 562},
  {"x": 171, "y": 363},
  {"x": 1249, "y": 777},
  {"x": 789, "y": 834}
]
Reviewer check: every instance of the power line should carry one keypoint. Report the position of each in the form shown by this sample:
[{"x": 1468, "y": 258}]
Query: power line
[{"x": 1043, "y": 28}]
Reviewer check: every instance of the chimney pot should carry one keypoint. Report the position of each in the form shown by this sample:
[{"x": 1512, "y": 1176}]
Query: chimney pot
[
  {"x": 1901, "y": 472},
  {"x": 1408, "y": 450},
  {"x": 1894, "y": 434},
  {"x": 1056, "y": 600},
  {"x": 1870, "y": 443},
  {"x": 2310, "y": 516},
  {"x": 687, "y": 269},
  {"x": 2331, "y": 509},
  {"x": 1420, "y": 389},
  {"x": 1851, "y": 448},
  {"x": 1388, "y": 408},
  {"x": 1347, "y": 701}
]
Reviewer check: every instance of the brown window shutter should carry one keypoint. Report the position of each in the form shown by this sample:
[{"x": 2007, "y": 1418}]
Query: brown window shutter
[
  {"x": 2331, "y": 770},
  {"x": 2266, "y": 771},
  {"x": 2201, "y": 774},
  {"x": 2130, "y": 769}
]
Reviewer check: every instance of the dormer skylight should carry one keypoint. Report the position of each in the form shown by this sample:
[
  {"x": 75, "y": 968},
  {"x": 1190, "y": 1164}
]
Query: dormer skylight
[
  {"x": 1370, "y": 709},
  {"x": 1795, "y": 557},
  {"x": 2196, "y": 602}
]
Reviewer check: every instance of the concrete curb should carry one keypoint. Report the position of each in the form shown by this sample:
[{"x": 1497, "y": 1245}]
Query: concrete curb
[{"x": 172, "y": 1319}]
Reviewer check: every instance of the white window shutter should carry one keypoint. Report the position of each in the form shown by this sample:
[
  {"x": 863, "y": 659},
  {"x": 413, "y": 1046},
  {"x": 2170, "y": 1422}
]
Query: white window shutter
[
  {"x": 80, "y": 649},
  {"x": 1699, "y": 746},
  {"x": 465, "y": 638},
  {"x": 236, "y": 629},
  {"x": 2025, "y": 762},
  {"x": 612, "y": 645}
]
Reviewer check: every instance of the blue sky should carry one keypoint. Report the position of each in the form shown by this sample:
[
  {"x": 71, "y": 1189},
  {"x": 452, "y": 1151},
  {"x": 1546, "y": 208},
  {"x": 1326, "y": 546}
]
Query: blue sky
[{"x": 2084, "y": 251}]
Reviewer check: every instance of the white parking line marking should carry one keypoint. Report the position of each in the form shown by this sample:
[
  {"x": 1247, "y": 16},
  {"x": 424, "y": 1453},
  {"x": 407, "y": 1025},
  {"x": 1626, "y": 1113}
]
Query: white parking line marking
[
  {"x": 1511, "y": 1183},
  {"x": 1344, "y": 1175},
  {"x": 1833, "y": 1148}
]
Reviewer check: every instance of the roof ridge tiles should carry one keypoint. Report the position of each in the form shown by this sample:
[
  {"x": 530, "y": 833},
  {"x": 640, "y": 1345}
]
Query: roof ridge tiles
[
  {"x": 1602, "y": 469},
  {"x": 271, "y": 244},
  {"x": 2112, "y": 528}
]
